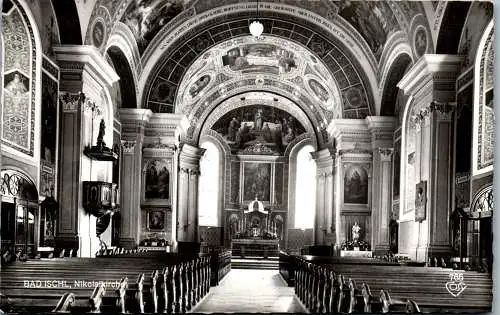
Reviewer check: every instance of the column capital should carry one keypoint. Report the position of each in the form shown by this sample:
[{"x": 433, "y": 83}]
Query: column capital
[
  {"x": 128, "y": 146},
  {"x": 71, "y": 102},
  {"x": 385, "y": 154}
]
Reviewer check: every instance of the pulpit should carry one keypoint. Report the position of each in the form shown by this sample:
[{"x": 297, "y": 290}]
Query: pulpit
[{"x": 255, "y": 234}]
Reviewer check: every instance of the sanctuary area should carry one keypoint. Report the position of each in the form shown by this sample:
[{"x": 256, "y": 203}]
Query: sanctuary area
[{"x": 165, "y": 156}]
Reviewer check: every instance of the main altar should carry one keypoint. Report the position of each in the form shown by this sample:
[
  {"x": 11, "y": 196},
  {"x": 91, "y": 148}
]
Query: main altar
[{"x": 255, "y": 234}]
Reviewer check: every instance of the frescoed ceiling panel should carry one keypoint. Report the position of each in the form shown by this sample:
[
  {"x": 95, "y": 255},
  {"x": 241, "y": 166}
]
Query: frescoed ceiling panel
[{"x": 329, "y": 50}]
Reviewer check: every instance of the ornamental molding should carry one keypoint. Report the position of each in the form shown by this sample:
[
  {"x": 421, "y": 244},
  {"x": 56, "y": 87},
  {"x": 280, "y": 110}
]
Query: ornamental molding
[
  {"x": 72, "y": 102},
  {"x": 444, "y": 111},
  {"x": 128, "y": 146},
  {"x": 385, "y": 154},
  {"x": 259, "y": 148}
]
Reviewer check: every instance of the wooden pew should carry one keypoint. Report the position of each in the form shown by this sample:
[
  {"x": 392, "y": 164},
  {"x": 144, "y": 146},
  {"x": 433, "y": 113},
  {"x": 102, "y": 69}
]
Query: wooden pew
[
  {"x": 138, "y": 297},
  {"x": 425, "y": 286}
]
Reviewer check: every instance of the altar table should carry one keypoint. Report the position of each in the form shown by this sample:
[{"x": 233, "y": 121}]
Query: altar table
[{"x": 255, "y": 248}]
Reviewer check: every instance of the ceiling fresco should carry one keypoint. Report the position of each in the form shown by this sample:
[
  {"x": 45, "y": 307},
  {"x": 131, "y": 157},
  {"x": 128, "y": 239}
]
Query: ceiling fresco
[
  {"x": 258, "y": 129},
  {"x": 247, "y": 57},
  {"x": 146, "y": 17},
  {"x": 370, "y": 25},
  {"x": 375, "y": 21}
]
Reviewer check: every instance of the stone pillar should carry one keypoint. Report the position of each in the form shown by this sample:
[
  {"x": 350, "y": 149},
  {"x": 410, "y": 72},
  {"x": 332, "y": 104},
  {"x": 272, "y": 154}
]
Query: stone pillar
[
  {"x": 324, "y": 227},
  {"x": 319, "y": 214},
  {"x": 187, "y": 197},
  {"x": 85, "y": 81},
  {"x": 70, "y": 159},
  {"x": 133, "y": 124},
  {"x": 381, "y": 225},
  {"x": 382, "y": 130},
  {"x": 440, "y": 180},
  {"x": 431, "y": 83}
]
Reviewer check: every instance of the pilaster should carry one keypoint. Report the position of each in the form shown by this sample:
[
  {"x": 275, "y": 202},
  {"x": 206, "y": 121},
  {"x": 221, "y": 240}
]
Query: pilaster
[
  {"x": 324, "y": 226},
  {"x": 187, "y": 197},
  {"x": 85, "y": 80},
  {"x": 382, "y": 132},
  {"x": 431, "y": 82},
  {"x": 133, "y": 124}
]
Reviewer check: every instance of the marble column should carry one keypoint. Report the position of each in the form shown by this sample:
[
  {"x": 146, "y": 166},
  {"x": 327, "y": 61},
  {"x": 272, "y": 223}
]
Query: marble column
[
  {"x": 133, "y": 124},
  {"x": 187, "y": 193}
]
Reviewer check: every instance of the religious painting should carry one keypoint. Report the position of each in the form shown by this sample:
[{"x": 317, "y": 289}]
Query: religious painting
[
  {"x": 356, "y": 185},
  {"x": 261, "y": 130},
  {"x": 257, "y": 181},
  {"x": 156, "y": 220},
  {"x": 420, "y": 201},
  {"x": 157, "y": 180},
  {"x": 16, "y": 111},
  {"x": 145, "y": 18},
  {"x": 233, "y": 224},
  {"x": 49, "y": 119},
  {"x": 162, "y": 92},
  {"x": 373, "y": 19},
  {"x": 420, "y": 41},
  {"x": 267, "y": 58},
  {"x": 319, "y": 90},
  {"x": 199, "y": 85},
  {"x": 47, "y": 178},
  {"x": 353, "y": 98},
  {"x": 98, "y": 33}
]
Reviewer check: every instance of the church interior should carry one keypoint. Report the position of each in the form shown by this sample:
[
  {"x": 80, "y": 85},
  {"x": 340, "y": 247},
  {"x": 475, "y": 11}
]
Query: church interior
[{"x": 246, "y": 156}]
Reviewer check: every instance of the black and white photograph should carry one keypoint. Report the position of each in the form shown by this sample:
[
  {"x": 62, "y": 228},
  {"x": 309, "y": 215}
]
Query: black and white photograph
[{"x": 261, "y": 156}]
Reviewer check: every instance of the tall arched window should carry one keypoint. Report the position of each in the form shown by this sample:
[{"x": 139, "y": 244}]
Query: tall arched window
[
  {"x": 208, "y": 196},
  {"x": 305, "y": 193}
]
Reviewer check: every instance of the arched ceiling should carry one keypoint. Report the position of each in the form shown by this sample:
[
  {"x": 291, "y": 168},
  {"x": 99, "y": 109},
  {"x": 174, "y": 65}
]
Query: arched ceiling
[
  {"x": 355, "y": 40},
  {"x": 270, "y": 57},
  {"x": 278, "y": 114}
]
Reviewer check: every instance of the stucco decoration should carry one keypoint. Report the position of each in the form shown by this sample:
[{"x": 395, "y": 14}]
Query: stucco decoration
[
  {"x": 19, "y": 79},
  {"x": 247, "y": 57}
]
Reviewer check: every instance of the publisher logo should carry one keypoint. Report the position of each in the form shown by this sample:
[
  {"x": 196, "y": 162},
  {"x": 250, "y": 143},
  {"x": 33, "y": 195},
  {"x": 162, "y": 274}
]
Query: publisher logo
[{"x": 456, "y": 285}]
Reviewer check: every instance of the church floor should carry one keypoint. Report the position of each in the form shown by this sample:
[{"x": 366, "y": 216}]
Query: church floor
[{"x": 250, "y": 291}]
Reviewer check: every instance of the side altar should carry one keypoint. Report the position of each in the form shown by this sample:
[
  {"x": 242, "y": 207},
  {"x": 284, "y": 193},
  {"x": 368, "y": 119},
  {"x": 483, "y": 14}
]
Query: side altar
[
  {"x": 256, "y": 235},
  {"x": 355, "y": 247}
]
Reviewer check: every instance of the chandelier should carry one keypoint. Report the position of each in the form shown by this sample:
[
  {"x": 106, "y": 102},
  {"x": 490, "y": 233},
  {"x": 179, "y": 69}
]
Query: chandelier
[{"x": 256, "y": 27}]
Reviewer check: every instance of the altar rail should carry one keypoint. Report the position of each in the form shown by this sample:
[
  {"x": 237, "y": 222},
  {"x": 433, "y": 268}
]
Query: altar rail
[
  {"x": 144, "y": 284},
  {"x": 220, "y": 266}
]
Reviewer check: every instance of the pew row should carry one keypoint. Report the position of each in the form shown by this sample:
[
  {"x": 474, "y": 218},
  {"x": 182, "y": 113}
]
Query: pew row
[
  {"x": 425, "y": 286},
  {"x": 144, "y": 285}
]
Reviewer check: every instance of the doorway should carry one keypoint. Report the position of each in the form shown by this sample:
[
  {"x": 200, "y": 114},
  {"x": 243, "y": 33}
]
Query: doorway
[{"x": 19, "y": 214}]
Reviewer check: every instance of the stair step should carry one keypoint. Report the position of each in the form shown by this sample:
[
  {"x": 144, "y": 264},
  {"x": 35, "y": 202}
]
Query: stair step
[{"x": 271, "y": 263}]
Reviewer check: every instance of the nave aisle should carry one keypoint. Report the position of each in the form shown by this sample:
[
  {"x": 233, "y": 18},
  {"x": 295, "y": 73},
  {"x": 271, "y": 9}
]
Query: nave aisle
[{"x": 250, "y": 291}]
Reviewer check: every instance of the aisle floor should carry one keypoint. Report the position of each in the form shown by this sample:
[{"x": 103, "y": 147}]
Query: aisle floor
[{"x": 250, "y": 291}]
